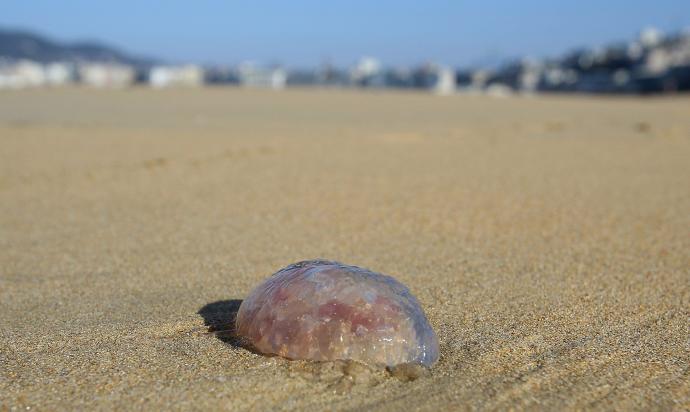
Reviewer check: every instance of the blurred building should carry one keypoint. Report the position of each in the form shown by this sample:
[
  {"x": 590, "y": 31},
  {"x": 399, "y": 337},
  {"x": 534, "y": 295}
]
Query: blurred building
[
  {"x": 106, "y": 75},
  {"x": 329, "y": 75},
  {"x": 253, "y": 76},
  {"x": 651, "y": 63},
  {"x": 175, "y": 76},
  {"x": 302, "y": 77},
  {"x": 479, "y": 79},
  {"x": 60, "y": 74},
  {"x": 399, "y": 78},
  {"x": 221, "y": 75},
  {"x": 326, "y": 76},
  {"x": 445, "y": 81},
  {"x": 31, "y": 74},
  {"x": 367, "y": 72}
]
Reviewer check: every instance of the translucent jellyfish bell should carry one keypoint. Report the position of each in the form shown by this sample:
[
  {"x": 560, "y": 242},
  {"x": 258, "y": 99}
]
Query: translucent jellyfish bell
[{"x": 324, "y": 310}]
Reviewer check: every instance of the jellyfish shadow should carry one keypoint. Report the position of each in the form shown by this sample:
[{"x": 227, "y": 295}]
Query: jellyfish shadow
[{"x": 220, "y": 317}]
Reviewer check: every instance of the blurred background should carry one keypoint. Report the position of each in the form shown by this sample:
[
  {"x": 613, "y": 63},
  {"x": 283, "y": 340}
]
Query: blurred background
[{"x": 497, "y": 47}]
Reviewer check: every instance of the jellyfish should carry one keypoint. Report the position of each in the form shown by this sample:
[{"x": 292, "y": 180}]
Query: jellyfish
[{"x": 324, "y": 310}]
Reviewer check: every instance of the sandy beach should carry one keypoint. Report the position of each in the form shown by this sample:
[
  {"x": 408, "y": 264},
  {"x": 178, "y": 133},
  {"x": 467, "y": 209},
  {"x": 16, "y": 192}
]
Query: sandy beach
[{"x": 547, "y": 239}]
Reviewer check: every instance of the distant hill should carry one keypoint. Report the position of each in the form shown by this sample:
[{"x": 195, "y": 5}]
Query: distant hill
[{"x": 19, "y": 44}]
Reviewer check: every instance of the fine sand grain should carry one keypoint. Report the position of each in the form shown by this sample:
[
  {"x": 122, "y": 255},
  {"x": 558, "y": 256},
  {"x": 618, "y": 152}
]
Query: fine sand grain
[{"x": 548, "y": 240}]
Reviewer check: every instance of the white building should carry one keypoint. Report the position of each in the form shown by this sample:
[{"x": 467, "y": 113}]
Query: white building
[
  {"x": 658, "y": 61},
  {"x": 59, "y": 74},
  {"x": 106, "y": 75},
  {"x": 445, "y": 81},
  {"x": 172, "y": 76},
  {"x": 530, "y": 75},
  {"x": 31, "y": 74},
  {"x": 366, "y": 68},
  {"x": 252, "y": 76},
  {"x": 21, "y": 74},
  {"x": 675, "y": 53},
  {"x": 650, "y": 37}
]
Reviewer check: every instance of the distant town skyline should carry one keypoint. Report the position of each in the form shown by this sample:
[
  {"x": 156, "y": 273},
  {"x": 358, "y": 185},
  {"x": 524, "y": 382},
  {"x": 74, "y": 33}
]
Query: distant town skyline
[{"x": 308, "y": 33}]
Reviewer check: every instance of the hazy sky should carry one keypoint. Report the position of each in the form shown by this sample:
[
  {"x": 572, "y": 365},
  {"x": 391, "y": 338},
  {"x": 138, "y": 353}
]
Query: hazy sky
[{"x": 302, "y": 33}]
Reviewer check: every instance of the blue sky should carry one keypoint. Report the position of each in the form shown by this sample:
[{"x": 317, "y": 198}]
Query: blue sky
[{"x": 307, "y": 32}]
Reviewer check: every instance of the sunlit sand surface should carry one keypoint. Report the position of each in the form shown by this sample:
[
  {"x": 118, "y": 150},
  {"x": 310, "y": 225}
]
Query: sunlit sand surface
[{"x": 546, "y": 239}]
